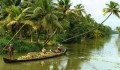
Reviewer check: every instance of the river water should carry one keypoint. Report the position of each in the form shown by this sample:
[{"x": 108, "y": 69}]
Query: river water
[{"x": 98, "y": 54}]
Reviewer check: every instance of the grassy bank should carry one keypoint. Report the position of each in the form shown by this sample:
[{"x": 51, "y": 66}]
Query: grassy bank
[{"x": 19, "y": 45}]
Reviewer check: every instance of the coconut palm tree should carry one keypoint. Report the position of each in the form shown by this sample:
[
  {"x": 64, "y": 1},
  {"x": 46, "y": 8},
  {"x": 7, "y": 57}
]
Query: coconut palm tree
[
  {"x": 49, "y": 20},
  {"x": 79, "y": 10},
  {"x": 63, "y": 5},
  {"x": 112, "y": 8},
  {"x": 6, "y": 3},
  {"x": 44, "y": 17},
  {"x": 15, "y": 18}
]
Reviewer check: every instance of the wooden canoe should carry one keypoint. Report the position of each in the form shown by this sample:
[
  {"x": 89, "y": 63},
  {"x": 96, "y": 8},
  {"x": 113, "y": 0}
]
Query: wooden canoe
[{"x": 6, "y": 60}]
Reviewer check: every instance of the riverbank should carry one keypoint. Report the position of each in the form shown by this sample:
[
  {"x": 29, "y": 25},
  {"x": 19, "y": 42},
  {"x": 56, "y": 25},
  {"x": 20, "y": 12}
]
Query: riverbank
[{"x": 22, "y": 46}]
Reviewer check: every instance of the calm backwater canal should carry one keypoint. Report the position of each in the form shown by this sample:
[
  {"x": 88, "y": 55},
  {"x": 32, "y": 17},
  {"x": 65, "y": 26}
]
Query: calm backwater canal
[{"x": 98, "y": 54}]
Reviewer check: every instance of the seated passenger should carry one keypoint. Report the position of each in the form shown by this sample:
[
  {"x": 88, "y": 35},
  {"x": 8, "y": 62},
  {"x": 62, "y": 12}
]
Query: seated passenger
[
  {"x": 59, "y": 49},
  {"x": 50, "y": 51},
  {"x": 44, "y": 50}
]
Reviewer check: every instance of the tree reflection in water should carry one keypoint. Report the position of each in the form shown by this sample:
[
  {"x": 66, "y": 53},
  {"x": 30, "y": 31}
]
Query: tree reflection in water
[{"x": 89, "y": 54}]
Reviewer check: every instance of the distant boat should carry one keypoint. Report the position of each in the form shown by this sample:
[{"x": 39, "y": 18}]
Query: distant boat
[{"x": 6, "y": 60}]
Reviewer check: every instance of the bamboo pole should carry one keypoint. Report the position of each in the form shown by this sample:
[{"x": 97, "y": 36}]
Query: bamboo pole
[{"x": 12, "y": 39}]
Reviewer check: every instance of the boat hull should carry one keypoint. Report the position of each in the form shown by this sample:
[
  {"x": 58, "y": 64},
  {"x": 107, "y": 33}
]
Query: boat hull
[{"x": 6, "y": 60}]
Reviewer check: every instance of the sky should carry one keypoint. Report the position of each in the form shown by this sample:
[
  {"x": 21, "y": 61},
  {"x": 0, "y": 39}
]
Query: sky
[{"x": 95, "y": 7}]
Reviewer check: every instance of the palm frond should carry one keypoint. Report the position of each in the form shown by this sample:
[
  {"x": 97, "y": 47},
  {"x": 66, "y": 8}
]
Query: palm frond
[
  {"x": 117, "y": 14},
  {"x": 23, "y": 13},
  {"x": 11, "y": 23},
  {"x": 28, "y": 22},
  {"x": 65, "y": 23},
  {"x": 106, "y": 10}
]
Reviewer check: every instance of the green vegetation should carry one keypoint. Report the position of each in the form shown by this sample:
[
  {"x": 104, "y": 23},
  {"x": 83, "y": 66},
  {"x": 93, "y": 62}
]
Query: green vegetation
[
  {"x": 118, "y": 29},
  {"x": 36, "y": 23},
  {"x": 114, "y": 32}
]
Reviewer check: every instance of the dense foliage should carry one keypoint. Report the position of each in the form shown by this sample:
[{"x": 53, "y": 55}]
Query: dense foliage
[{"x": 36, "y": 22}]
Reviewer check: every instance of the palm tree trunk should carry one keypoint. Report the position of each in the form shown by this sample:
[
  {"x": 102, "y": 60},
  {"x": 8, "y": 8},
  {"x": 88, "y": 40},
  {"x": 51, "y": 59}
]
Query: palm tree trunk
[
  {"x": 31, "y": 34},
  {"x": 20, "y": 35},
  {"x": 47, "y": 36},
  {"x": 31, "y": 38},
  {"x": 50, "y": 37},
  {"x": 89, "y": 30},
  {"x": 38, "y": 33},
  {"x": 106, "y": 18}
]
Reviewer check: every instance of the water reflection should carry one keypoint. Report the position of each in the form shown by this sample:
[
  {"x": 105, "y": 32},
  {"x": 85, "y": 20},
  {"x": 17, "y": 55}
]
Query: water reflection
[
  {"x": 118, "y": 43},
  {"x": 81, "y": 53},
  {"x": 59, "y": 63},
  {"x": 98, "y": 54},
  {"x": 107, "y": 59}
]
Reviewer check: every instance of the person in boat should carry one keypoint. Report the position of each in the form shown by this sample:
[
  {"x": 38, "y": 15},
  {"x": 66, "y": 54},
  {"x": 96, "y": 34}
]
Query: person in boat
[
  {"x": 10, "y": 50},
  {"x": 50, "y": 51},
  {"x": 44, "y": 50},
  {"x": 59, "y": 49}
]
